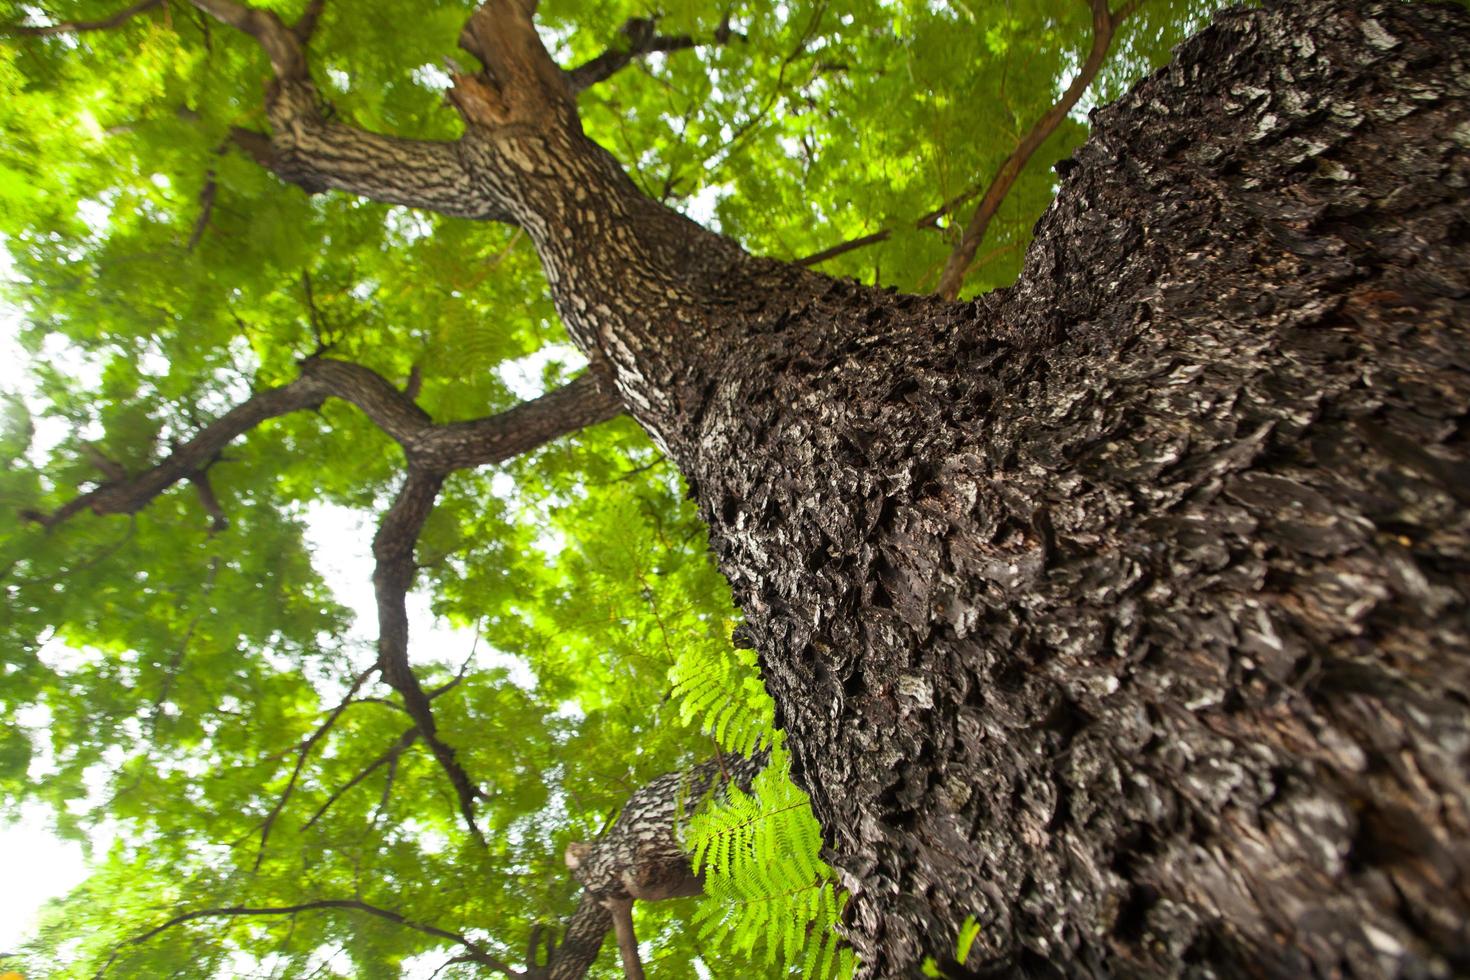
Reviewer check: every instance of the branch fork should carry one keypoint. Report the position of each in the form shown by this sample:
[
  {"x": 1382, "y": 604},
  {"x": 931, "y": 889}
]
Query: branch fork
[{"x": 520, "y": 83}]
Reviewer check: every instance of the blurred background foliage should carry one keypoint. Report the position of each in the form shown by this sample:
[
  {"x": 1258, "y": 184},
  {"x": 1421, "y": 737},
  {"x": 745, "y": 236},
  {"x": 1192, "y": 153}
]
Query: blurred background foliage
[{"x": 159, "y": 681}]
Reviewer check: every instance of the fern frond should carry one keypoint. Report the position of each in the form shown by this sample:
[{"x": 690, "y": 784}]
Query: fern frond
[
  {"x": 767, "y": 890},
  {"x": 713, "y": 683}
]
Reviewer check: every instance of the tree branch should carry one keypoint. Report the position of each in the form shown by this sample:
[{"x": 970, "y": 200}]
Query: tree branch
[
  {"x": 209, "y": 501},
  {"x": 433, "y": 451},
  {"x": 129, "y": 495},
  {"x": 929, "y": 219},
  {"x": 306, "y": 26},
  {"x": 78, "y": 26},
  {"x": 394, "y": 751},
  {"x": 586, "y": 930},
  {"x": 393, "y": 576},
  {"x": 1104, "y": 26},
  {"x": 301, "y": 755},
  {"x": 642, "y": 38},
  {"x": 584, "y": 401},
  {"x": 622, "y": 917},
  {"x": 474, "y": 950},
  {"x": 435, "y": 448},
  {"x": 308, "y": 150}
]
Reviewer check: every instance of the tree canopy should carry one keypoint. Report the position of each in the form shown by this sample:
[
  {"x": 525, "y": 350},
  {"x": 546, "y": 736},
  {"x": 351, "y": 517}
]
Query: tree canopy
[{"x": 181, "y": 681}]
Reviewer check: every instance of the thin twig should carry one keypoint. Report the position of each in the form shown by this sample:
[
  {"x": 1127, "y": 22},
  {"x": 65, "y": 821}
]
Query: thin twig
[
  {"x": 475, "y": 951},
  {"x": 301, "y": 756},
  {"x": 1104, "y": 28},
  {"x": 389, "y": 757}
]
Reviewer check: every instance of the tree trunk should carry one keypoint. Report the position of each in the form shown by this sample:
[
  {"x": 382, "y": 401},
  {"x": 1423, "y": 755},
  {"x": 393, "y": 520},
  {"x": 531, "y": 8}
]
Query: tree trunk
[{"x": 1124, "y": 610}]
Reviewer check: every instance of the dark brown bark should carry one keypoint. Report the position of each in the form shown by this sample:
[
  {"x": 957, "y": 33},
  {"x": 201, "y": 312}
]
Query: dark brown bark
[
  {"x": 1090, "y": 609},
  {"x": 1123, "y": 610}
]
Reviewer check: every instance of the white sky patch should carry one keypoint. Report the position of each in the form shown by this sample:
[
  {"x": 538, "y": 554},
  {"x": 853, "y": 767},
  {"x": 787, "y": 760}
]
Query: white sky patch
[
  {"x": 49, "y": 431},
  {"x": 409, "y": 226},
  {"x": 96, "y": 213},
  {"x": 11, "y": 351},
  {"x": 701, "y": 206},
  {"x": 523, "y": 375},
  {"x": 341, "y": 543},
  {"x": 39, "y": 866},
  {"x": 432, "y": 77},
  {"x": 1088, "y": 102}
]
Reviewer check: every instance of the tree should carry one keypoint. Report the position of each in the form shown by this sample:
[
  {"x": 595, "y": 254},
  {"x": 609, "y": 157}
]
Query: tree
[{"x": 1120, "y": 611}]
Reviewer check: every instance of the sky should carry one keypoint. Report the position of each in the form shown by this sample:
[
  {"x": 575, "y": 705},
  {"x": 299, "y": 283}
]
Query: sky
[{"x": 34, "y": 863}]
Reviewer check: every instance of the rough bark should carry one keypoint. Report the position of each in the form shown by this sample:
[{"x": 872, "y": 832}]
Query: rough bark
[{"x": 1124, "y": 610}]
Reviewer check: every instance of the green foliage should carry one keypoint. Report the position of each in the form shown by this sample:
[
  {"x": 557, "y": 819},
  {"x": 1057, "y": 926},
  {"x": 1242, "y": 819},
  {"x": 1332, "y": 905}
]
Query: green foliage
[
  {"x": 969, "y": 932},
  {"x": 162, "y": 684},
  {"x": 767, "y": 892}
]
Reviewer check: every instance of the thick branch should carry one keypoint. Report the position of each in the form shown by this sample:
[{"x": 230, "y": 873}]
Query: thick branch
[
  {"x": 78, "y": 26},
  {"x": 392, "y": 577},
  {"x": 1104, "y": 26},
  {"x": 621, "y": 910},
  {"x": 639, "y": 858},
  {"x": 586, "y": 930},
  {"x": 384, "y": 404},
  {"x": 584, "y": 401},
  {"x": 435, "y": 448},
  {"x": 316, "y": 154},
  {"x": 130, "y": 495}
]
